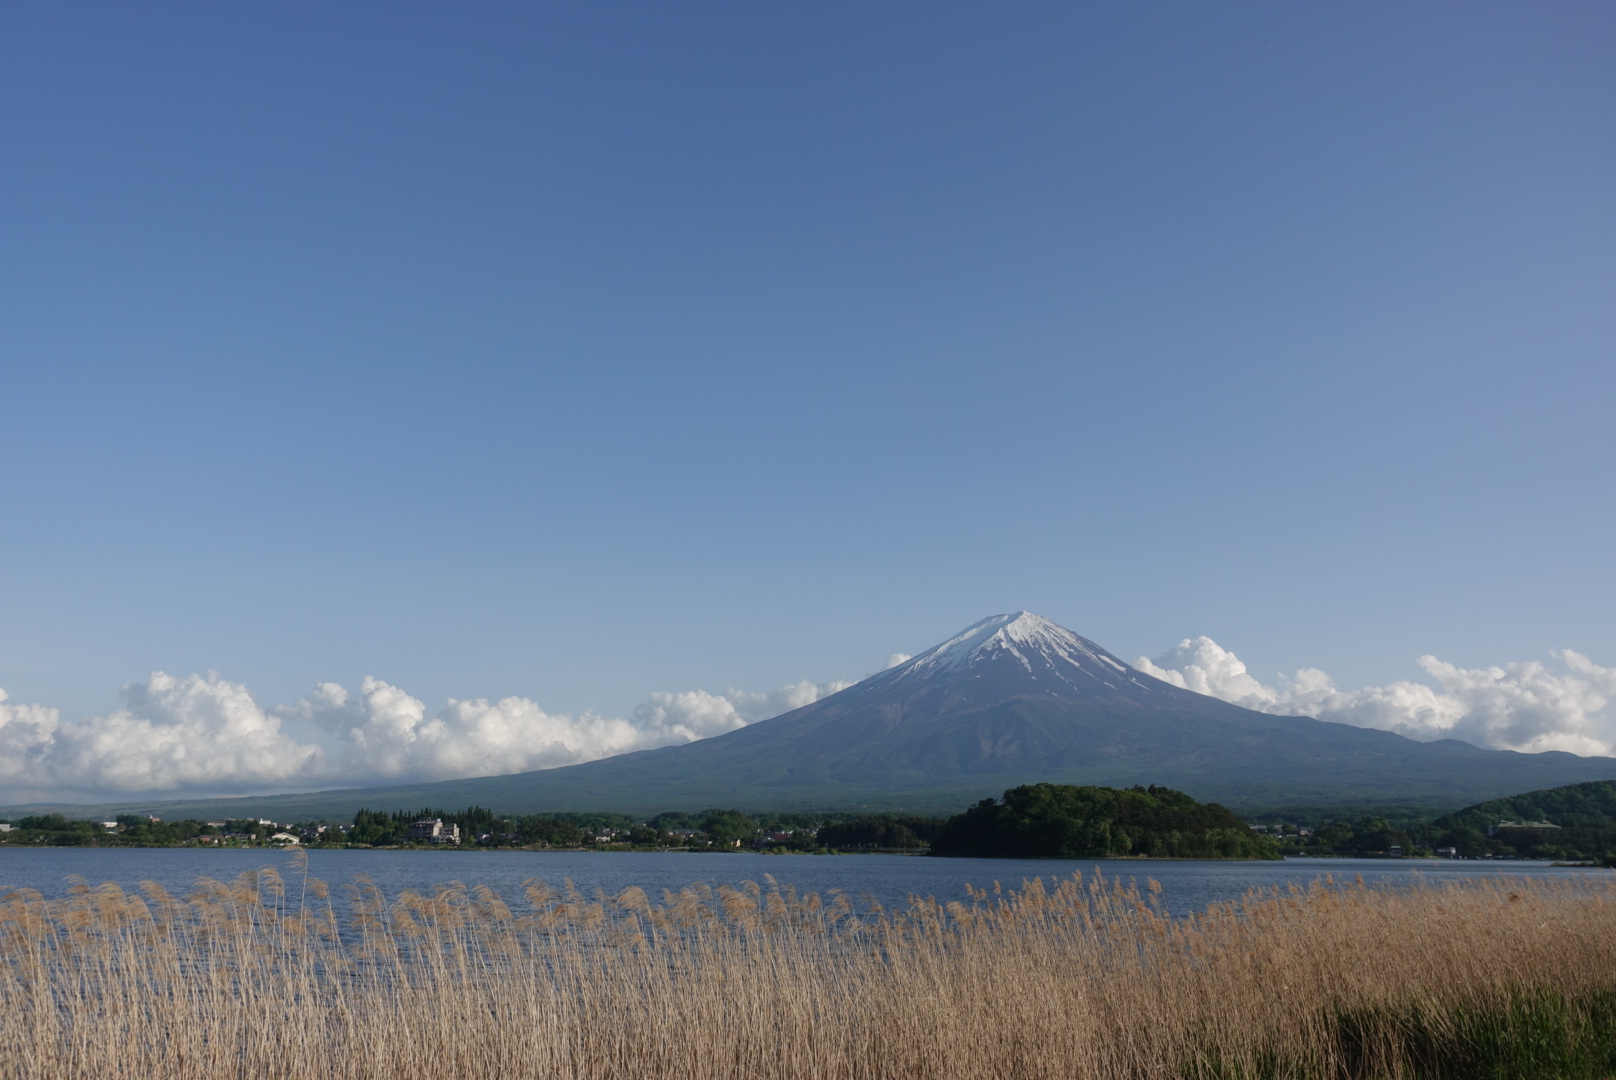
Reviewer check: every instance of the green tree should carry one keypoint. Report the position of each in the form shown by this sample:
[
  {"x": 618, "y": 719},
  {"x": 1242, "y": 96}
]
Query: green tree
[{"x": 725, "y": 827}]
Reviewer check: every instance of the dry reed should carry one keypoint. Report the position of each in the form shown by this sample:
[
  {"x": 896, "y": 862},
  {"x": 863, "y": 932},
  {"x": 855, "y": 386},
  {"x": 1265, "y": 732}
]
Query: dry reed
[{"x": 271, "y": 978}]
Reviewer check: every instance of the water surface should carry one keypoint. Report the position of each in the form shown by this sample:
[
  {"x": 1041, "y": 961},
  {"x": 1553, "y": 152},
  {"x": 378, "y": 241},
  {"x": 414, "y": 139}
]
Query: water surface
[{"x": 888, "y": 879}]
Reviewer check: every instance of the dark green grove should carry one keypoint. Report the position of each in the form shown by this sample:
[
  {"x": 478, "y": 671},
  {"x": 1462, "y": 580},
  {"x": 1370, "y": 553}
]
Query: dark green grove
[{"x": 1063, "y": 821}]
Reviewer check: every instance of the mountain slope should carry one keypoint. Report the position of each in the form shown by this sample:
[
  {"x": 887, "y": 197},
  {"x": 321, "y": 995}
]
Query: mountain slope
[{"x": 1014, "y": 699}]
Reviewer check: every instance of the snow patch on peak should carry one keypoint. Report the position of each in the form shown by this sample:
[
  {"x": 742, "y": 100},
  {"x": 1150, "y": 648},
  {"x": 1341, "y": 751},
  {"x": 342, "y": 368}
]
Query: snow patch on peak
[{"x": 1021, "y": 635}]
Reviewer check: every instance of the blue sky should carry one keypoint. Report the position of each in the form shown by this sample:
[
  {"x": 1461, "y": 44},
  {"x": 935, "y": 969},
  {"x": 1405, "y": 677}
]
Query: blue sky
[{"x": 581, "y": 352}]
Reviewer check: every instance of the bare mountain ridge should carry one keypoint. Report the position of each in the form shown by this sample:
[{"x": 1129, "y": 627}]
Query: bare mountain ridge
[{"x": 1013, "y": 699}]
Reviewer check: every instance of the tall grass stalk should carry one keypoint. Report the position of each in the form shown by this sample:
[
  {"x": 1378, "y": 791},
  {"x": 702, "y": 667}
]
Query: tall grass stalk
[{"x": 264, "y": 978}]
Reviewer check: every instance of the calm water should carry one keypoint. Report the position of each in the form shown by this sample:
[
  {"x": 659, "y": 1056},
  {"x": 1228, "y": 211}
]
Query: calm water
[{"x": 890, "y": 879}]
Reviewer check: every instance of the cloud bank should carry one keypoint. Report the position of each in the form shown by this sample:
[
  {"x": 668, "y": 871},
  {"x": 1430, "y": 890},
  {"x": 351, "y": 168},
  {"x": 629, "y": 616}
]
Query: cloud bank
[
  {"x": 1521, "y": 706},
  {"x": 204, "y": 734}
]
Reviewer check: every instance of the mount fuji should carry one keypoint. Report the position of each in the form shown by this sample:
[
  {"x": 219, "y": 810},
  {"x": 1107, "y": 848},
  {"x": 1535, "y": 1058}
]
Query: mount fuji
[{"x": 1013, "y": 699}]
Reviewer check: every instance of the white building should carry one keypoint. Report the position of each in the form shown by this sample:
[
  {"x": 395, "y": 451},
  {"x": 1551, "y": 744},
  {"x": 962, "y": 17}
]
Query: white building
[{"x": 434, "y": 831}]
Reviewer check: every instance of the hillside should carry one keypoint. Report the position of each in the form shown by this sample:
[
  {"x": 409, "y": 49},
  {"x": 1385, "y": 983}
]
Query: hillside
[
  {"x": 1584, "y": 816},
  {"x": 1592, "y": 804}
]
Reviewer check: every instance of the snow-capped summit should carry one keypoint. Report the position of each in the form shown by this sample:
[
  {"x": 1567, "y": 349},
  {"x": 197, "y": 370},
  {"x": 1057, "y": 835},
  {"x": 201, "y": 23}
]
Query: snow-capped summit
[
  {"x": 1041, "y": 654},
  {"x": 1022, "y": 635}
]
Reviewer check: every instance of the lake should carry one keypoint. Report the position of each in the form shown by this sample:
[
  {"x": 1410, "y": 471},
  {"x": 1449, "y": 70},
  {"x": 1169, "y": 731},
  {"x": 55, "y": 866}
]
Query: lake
[{"x": 889, "y": 879}]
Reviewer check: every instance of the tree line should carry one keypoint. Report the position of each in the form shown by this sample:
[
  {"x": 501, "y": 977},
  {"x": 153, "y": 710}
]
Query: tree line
[
  {"x": 711, "y": 829},
  {"x": 1032, "y": 821}
]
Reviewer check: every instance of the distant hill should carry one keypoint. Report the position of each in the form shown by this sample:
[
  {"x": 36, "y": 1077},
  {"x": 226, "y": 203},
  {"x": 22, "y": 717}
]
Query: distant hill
[
  {"x": 1012, "y": 700},
  {"x": 1573, "y": 805},
  {"x": 1584, "y": 816}
]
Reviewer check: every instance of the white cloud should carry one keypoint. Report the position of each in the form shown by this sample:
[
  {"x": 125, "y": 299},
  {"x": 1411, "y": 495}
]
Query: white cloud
[
  {"x": 205, "y": 734},
  {"x": 1520, "y": 706},
  {"x": 1202, "y": 665},
  {"x": 200, "y": 731},
  {"x": 383, "y": 734},
  {"x": 696, "y": 714},
  {"x": 26, "y": 731}
]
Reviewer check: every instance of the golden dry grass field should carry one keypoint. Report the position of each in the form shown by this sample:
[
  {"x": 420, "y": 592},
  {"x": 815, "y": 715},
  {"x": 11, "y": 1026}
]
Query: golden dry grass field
[{"x": 276, "y": 978}]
